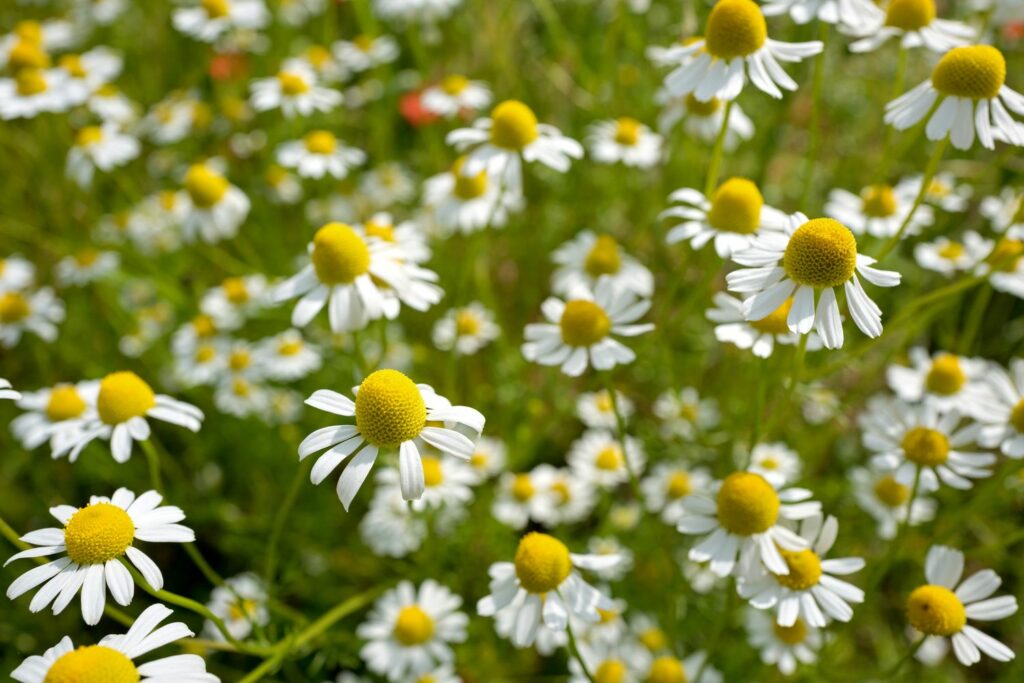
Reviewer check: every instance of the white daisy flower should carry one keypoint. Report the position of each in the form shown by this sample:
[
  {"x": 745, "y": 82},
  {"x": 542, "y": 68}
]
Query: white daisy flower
[
  {"x": 174, "y": 117},
  {"x": 85, "y": 266},
  {"x": 52, "y": 35},
  {"x": 846, "y": 13},
  {"x": 624, "y": 140},
  {"x": 693, "y": 668},
  {"x": 235, "y": 299},
  {"x": 595, "y": 409},
  {"x": 241, "y": 396},
  {"x": 319, "y": 153},
  {"x": 54, "y": 414},
  {"x": 943, "y": 191},
  {"x": 668, "y": 484},
  {"x": 703, "y": 120},
  {"x": 410, "y": 630},
  {"x": 940, "y": 609},
  {"x": 488, "y": 459},
  {"x": 760, "y": 336},
  {"x": 295, "y": 91},
  {"x": 459, "y": 203},
  {"x": 743, "y": 519},
  {"x": 465, "y": 330},
  {"x": 587, "y": 257},
  {"x": 820, "y": 404},
  {"x": 612, "y": 626},
  {"x": 91, "y": 544},
  {"x": 16, "y": 273},
  {"x": 216, "y": 209},
  {"x": 387, "y": 184},
  {"x": 807, "y": 260},
  {"x": 286, "y": 357},
  {"x": 391, "y": 413},
  {"x": 572, "y": 498},
  {"x": 241, "y": 602},
  {"x": 519, "y": 499},
  {"x": 648, "y": 633},
  {"x": 1006, "y": 212},
  {"x": 914, "y": 22},
  {"x": 123, "y": 403},
  {"x": 733, "y": 216},
  {"x": 1003, "y": 413},
  {"x": 922, "y": 443},
  {"x": 809, "y": 591},
  {"x": 511, "y": 135},
  {"x": 579, "y": 332},
  {"x": 785, "y": 647},
  {"x": 620, "y": 661},
  {"x": 406, "y": 236},
  {"x": 545, "y": 573},
  {"x": 735, "y": 47},
  {"x": 390, "y": 527},
  {"x": 455, "y": 95},
  {"x": 99, "y": 12},
  {"x": 6, "y": 392},
  {"x": 1004, "y": 267},
  {"x": 776, "y": 462},
  {"x": 879, "y": 210},
  {"x": 114, "y": 656},
  {"x": 365, "y": 52},
  {"x": 447, "y": 482},
  {"x": 684, "y": 413},
  {"x": 33, "y": 91},
  {"x": 949, "y": 257},
  {"x": 208, "y": 20},
  {"x": 969, "y": 85},
  {"x": 945, "y": 380},
  {"x": 599, "y": 458},
  {"x": 38, "y": 312},
  {"x": 99, "y": 147},
  {"x": 88, "y": 72},
  {"x": 285, "y": 187},
  {"x": 879, "y": 494}
]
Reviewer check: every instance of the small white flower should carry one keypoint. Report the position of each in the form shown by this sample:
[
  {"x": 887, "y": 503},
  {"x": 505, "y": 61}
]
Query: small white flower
[
  {"x": 460, "y": 203},
  {"x": 455, "y": 95},
  {"x": 55, "y": 414},
  {"x": 879, "y": 210},
  {"x": 684, "y": 413},
  {"x": 624, "y": 140},
  {"x": 886, "y": 500},
  {"x": 295, "y": 91},
  {"x": 945, "y": 380},
  {"x": 588, "y": 257},
  {"x": 760, "y": 336},
  {"x": 596, "y": 410},
  {"x": 913, "y": 22},
  {"x": 776, "y": 462},
  {"x": 1003, "y": 413},
  {"x": 601, "y": 460},
  {"x": 667, "y": 486},
  {"x": 783, "y": 646},
  {"x": 215, "y": 209},
  {"x": 319, "y": 153},
  {"x": 703, "y": 120},
  {"x": 465, "y": 330},
  {"x": 208, "y": 20},
  {"x": 949, "y": 257},
  {"x": 85, "y": 266},
  {"x": 365, "y": 52},
  {"x": 38, "y": 312},
  {"x": 241, "y": 602}
]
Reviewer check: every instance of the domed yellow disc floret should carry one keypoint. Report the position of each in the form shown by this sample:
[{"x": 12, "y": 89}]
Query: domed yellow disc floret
[
  {"x": 1017, "y": 416},
  {"x": 235, "y": 290},
  {"x": 205, "y": 186},
  {"x": 340, "y": 255},
  {"x": 604, "y": 258},
  {"x": 27, "y": 54},
  {"x": 320, "y": 142},
  {"x": 791, "y": 635},
  {"x": 736, "y": 207},
  {"x": 975, "y": 71},
  {"x": 666, "y": 670},
  {"x": 678, "y": 485},
  {"x": 92, "y": 664},
  {"x": 735, "y": 28},
  {"x": 821, "y": 253},
  {"x": 609, "y": 458},
  {"x": 892, "y": 493},
  {"x": 627, "y": 131},
  {"x": 123, "y": 395},
  {"x": 542, "y": 562},
  {"x": 747, "y": 504},
  {"x": 935, "y": 611},
  {"x": 1006, "y": 255},
  {"x": 13, "y": 307},
  {"x": 239, "y": 360},
  {"x": 389, "y": 409},
  {"x": 413, "y": 626},
  {"x": 584, "y": 323},
  {"x": 216, "y": 9},
  {"x": 73, "y": 65},
  {"x": 522, "y": 488},
  {"x": 468, "y": 187},
  {"x": 453, "y": 84},
  {"x": 292, "y": 84},
  {"x": 433, "y": 475},
  {"x": 513, "y": 125},
  {"x": 775, "y": 322},
  {"x": 952, "y": 251},
  {"x": 926, "y": 447},
  {"x": 878, "y": 201},
  {"x": 381, "y": 230},
  {"x": 30, "y": 82},
  {"x": 804, "y": 569},
  {"x": 945, "y": 377},
  {"x": 910, "y": 15},
  {"x": 654, "y": 639},
  {"x": 64, "y": 403},
  {"x": 698, "y": 108},
  {"x": 467, "y": 324},
  {"x": 610, "y": 671},
  {"x": 98, "y": 533},
  {"x": 89, "y": 135}
]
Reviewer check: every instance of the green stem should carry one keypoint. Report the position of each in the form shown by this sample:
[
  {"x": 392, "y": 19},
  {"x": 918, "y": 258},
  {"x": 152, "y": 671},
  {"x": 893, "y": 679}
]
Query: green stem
[
  {"x": 815, "y": 124},
  {"x": 929, "y": 173},
  {"x": 208, "y": 571},
  {"x": 716, "y": 154},
  {"x": 974, "y": 319},
  {"x": 153, "y": 460},
  {"x": 278, "y": 527},
  {"x": 620, "y": 427},
  {"x": 897, "y": 90},
  {"x": 895, "y": 668}
]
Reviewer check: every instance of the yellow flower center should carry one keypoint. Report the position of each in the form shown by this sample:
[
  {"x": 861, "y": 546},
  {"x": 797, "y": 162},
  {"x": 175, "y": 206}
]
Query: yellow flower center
[
  {"x": 735, "y": 28},
  {"x": 584, "y": 323},
  {"x": 318, "y": 55},
  {"x": 292, "y": 84},
  {"x": 821, "y": 253},
  {"x": 92, "y": 664},
  {"x": 747, "y": 504},
  {"x": 204, "y": 325},
  {"x": 791, "y": 635},
  {"x": 89, "y": 135},
  {"x": 926, "y": 447},
  {"x": 30, "y": 82},
  {"x": 804, "y": 569},
  {"x": 627, "y": 131},
  {"x": 607, "y": 616},
  {"x": 1006, "y": 255},
  {"x": 468, "y": 187},
  {"x": 205, "y": 353},
  {"x": 951, "y": 250},
  {"x": 432, "y": 473},
  {"x": 27, "y": 54},
  {"x": 736, "y": 207},
  {"x": 13, "y": 307},
  {"x": 945, "y": 377},
  {"x": 73, "y": 65},
  {"x": 466, "y": 323},
  {"x": 123, "y": 395},
  {"x": 216, "y": 9},
  {"x": 666, "y": 669},
  {"x": 205, "y": 186},
  {"x": 604, "y": 258},
  {"x": 381, "y": 231},
  {"x": 609, "y": 458},
  {"x": 522, "y": 488},
  {"x": 29, "y": 30},
  {"x": 775, "y": 322},
  {"x": 64, "y": 403},
  {"x": 454, "y": 84},
  {"x": 513, "y": 125},
  {"x": 878, "y": 201},
  {"x": 413, "y": 626},
  {"x": 320, "y": 142},
  {"x": 340, "y": 255},
  {"x": 542, "y": 562},
  {"x": 935, "y": 611},
  {"x": 610, "y": 671},
  {"x": 654, "y": 639},
  {"x": 240, "y": 388},
  {"x": 235, "y": 290},
  {"x": 98, "y": 533},
  {"x": 891, "y": 492},
  {"x": 86, "y": 257},
  {"x": 1017, "y": 416},
  {"x": 363, "y": 42},
  {"x": 679, "y": 484},
  {"x": 389, "y": 409},
  {"x": 561, "y": 490},
  {"x": 289, "y": 347},
  {"x": 695, "y": 106},
  {"x": 910, "y": 15},
  {"x": 239, "y": 360},
  {"x": 241, "y": 609},
  {"x": 975, "y": 71}
]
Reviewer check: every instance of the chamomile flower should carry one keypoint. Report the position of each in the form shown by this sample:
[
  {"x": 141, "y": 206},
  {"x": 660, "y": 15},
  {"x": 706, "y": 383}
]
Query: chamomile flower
[
  {"x": 776, "y": 462},
  {"x": 760, "y": 336},
  {"x": 735, "y": 47},
  {"x": 733, "y": 216},
  {"x": 38, "y": 312},
  {"x": 807, "y": 260},
  {"x": 488, "y": 459},
  {"x": 54, "y": 414},
  {"x": 1004, "y": 410},
  {"x": 520, "y": 499},
  {"x": 618, "y": 661},
  {"x": 16, "y": 273},
  {"x": 88, "y": 72},
  {"x": 234, "y": 299},
  {"x": 742, "y": 516},
  {"x": 694, "y": 668},
  {"x": 785, "y": 647},
  {"x": 921, "y": 442},
  {"x": 684, "y": 413},
  {"x": 298, "y": 12},
  {"x": 668, "y": 484},
  {"x": 624, "y": 140},
  {"x": 114, "y": 657},
  {"x": 879, "y": 210},
  {"x": 460, "y": 203},
  {"x": 545, "y": 574},
  {"x": 85, "y": 266},
  {"x": 914, "y": 22},
  {"x": 499, "y": 144},
  {"x": 295, "y": 91},
  {"x": 599, "y": 458},
  {"x": 447, "y": 482},
  {"x": 216, "y": 209},
  {"x": 948, "y": 257},
  {"x": 596, "y": 410},
  {"x": 365, "y": 52},
  {"x": 287, "y": 356},
  {"x": 319, "y": 153},
  {"x": 809, "y": 591},
  {"x": 284, "y": 187},
  {"x": 588, "y": 257},
  {"x": 969, "y": 87},
  {"x": 102, "y": 148},
  {"x": 572, "y": 498},
  {"x": 91, "y": 544},
  {"x": 123, "y": 403},
  {"x": 424, "y": 11},
  {"x": 390, "y": 527},
  {"x": 208, "y": 20},
  {"x": 888, "y": 501},
  {"x": 455, "y": 95},
  {"x": 175, "y": 117},
  {"x": 845, "y": 13},
  {"x": 387, "y": 184},
  {"x": 410, "y": 630},
  {"x": 391, "y": 413},
  {"x": 703, "y": 120},
  {"x": 940, "y": 609},
  {"x": 6, "y": 392},
  {"x": 406, "y": 236},
  {"x": 942, "y": 379},
  {"x": 944, "y": 191},
  {"x": 1005, "y": 212},
  {"x": 465, "y": 330},
  {"x": 1004, "y": 267},
  {"x": 241, "y": 602},
  {"x": 33, "y": 91},
  {"x": 581, "y": 331}
]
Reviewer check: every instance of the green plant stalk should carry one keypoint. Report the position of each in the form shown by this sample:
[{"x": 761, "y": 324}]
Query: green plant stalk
[
  {"x": 620, "y": 428},
  {"x": 929, "y": 173},
  {"x": 716, "y": 153}
]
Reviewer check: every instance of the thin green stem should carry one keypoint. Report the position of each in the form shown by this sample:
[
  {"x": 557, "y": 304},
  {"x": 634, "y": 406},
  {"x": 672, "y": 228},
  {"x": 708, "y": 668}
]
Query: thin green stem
[
  {"x": 200, "y": 562},
  {"x": 716, "y": 154},
  {"x": 926, "y": 181},
  {"x": 277, "y": 529},
  {"x": 974, "y": 319},
  {"x": 897, "y": 90},
  {"x": 153, "y": 460},
  {"x": 898, "y": 666}
]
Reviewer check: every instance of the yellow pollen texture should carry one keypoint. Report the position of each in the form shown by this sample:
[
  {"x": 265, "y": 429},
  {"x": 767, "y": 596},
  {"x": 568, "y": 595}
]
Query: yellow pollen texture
[
  {"x": 736, "y": 207},
  {"x": 1017, "y": 416},
  {"x": 205, "y": 186},
  {"x": 791, "y": 635},
  {"x": 627, "y": 131},
  {"x": 340, "y": 255},
  {"x": 945, "y": 377},
  {"x": 64, "y": 403},
  {"x": 891, "y": 492},
  {"x": 320, "y": 142},
  {"x": 292, "y": 84},
  {"x": 513, "y": 125},
  {"x": 821, "y": 253},
  {"x": 610, "y": 671},
  {"x": 735, "y": 28},
  {"x": 879, "y": 201},
  {"x": 13, "y": 307},
  {"x": 926, "y": 447},
  {"x": 468, "y": 187},
  {"x": 935, "y": 611},
  {"x": 413, "y": 626},
  {"x": 92, "y": 664},
  {"x": 584, "y": 323},
  {"x": 522, "y": 488},
  {"x": 747, "y": 504},
  {"x": 389, "y": 409},
  {"x": 695, "y": 106},
  {"x": 678, "y": 485},
  {"x": 98, "y": 533},
  {"x": 666, "y": 670},
  {"x": 432, "y": 473},
  {"x": 975, "y": 71},
  {"x": 910, "y": 15},
  {"x": 542, "y": 562},
  {"x": 123, "y": 395},
  {"x": 604, "y": 258}
]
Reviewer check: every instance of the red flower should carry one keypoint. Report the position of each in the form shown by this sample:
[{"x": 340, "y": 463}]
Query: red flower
[
  {"x": 411, "y": 109},
  {"x": 227, "y": 66}
]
